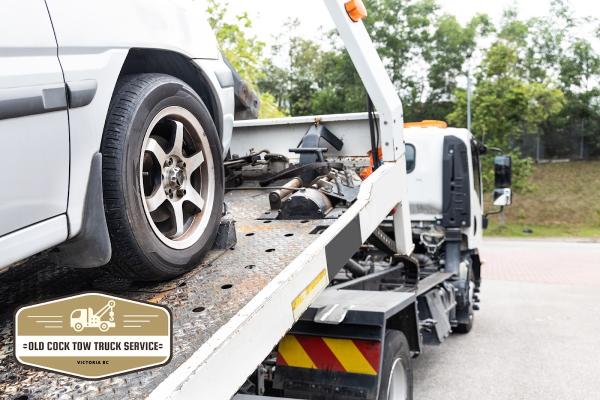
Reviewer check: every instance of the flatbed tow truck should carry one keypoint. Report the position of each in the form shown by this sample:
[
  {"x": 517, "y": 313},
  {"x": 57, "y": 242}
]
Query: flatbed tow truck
[{"x": 332, "y": 261}]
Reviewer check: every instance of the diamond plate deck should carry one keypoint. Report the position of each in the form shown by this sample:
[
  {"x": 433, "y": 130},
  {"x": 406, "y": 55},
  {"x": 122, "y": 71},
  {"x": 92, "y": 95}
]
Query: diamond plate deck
[{"x": 200, "y": 301}]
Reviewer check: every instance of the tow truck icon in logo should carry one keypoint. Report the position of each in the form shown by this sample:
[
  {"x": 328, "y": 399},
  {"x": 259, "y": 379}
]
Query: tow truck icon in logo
[{"x": 86, "y": 318}]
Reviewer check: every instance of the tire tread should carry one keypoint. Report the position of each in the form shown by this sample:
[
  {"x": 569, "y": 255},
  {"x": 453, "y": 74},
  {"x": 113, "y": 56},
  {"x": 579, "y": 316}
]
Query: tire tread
[{"x": 128, "y": 260}]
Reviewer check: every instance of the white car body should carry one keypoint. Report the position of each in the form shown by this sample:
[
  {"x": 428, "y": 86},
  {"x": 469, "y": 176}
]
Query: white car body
[{"x": 54, "y": 47}]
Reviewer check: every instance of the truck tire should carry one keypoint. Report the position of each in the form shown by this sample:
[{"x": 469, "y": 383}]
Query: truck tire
[
  {"x": 396, "y": 372},
  {"x": 468, "y": 312},
  {"x": 163, "y": 178}
]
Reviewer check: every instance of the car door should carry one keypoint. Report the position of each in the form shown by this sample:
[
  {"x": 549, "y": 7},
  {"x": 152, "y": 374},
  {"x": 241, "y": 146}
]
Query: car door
[{"x": 34, "y": 127}]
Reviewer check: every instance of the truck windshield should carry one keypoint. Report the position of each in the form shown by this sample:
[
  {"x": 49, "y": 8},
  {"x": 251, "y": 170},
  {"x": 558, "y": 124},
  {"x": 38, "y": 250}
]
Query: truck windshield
[{"x": 411, "y": 155}]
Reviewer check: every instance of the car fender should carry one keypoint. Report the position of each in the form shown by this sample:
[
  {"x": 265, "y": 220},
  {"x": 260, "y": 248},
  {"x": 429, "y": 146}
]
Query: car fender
[{"x": 94, "y": 39}]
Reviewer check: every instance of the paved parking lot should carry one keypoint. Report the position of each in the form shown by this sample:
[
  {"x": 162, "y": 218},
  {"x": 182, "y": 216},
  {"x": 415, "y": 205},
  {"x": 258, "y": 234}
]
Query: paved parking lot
[{"x": 537, "y": 335}]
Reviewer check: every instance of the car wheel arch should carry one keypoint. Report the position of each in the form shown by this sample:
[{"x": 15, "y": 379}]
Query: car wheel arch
[{"x": 141, "y": 60}]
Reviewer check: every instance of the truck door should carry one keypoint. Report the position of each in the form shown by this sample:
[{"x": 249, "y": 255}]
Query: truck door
[{"x": 34, "y": 130}]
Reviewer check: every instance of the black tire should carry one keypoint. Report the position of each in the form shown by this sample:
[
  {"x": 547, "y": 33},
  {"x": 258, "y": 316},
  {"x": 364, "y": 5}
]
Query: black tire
[
  {"x": 396, "y": 350},
  {"x": 466, "y": 328},
  {"x": 137, "y": 251},
  {"x": 467, "y": 315}
]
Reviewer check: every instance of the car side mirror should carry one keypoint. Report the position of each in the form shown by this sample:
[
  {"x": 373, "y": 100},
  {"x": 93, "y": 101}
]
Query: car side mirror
[{"x": 502, "y": 181}]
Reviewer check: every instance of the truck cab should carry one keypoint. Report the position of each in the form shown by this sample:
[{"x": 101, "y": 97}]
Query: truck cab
[{"x": 435, "y": 153}]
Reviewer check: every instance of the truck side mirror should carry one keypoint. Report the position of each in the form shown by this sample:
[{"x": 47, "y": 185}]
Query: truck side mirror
[{"x": 502, "y": 181}]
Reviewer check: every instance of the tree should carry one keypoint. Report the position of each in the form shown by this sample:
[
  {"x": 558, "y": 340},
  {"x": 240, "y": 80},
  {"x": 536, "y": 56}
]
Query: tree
[
  {"x": 402, "y": 31},
  {"x": 243, "y": 51},
  {"x": 449, "y": 60},
  {"x": 314, "y": 81},
  {"x": 505, "y": 105}
]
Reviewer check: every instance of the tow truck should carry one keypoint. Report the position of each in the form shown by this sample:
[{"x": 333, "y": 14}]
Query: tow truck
[
  {"x": 323, "y": 286},
  {"x": 87, "y": 318}
]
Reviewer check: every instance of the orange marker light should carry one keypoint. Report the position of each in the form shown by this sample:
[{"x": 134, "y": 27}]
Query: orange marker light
[
  {"x": 356, "y": 10},
  {"x": 426, "y": 124}
]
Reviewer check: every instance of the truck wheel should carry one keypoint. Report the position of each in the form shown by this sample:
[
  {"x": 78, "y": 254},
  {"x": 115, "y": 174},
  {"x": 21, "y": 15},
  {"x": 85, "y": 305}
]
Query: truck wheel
[
  {"x": 396, "y": 373},
  {"x": 469, "y": 312},
  {"x": 162, "y": 178},
  {"x": 104, "y": 327}
]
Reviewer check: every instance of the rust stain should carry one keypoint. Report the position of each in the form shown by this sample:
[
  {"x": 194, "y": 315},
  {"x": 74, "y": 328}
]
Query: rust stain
[
  {"x": 158, "y": 298},
  {"x": 266, "y": 227}
]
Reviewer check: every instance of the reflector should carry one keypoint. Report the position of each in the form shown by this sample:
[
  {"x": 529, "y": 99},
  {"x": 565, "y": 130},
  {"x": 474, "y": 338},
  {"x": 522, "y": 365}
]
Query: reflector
[
  {"x": 426, "y": 124},
  {"x": 356, "y": 10}
]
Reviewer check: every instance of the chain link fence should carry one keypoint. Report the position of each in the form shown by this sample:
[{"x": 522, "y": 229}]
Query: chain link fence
[{"x": 576, "y": 142}]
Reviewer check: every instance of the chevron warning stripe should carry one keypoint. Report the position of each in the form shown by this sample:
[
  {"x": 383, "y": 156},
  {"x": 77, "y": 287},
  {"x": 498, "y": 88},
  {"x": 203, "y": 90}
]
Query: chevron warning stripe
[{"x": 339, "y": 355}]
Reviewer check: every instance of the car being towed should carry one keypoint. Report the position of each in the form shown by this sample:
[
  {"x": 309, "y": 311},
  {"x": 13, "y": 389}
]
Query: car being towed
[{"x": 115, "y": 118}]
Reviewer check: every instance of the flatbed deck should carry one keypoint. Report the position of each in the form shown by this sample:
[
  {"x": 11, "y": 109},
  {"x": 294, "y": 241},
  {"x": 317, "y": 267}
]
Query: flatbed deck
[{"x": 202, "y": 302}]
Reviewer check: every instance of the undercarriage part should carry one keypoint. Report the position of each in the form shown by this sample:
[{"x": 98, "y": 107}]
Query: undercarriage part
[
  {"x": 411, "y": 269},
  {"x": 381, "y": 240},
  {"x": 343, "y": 185},
  {"x": 476, "y": 271},
  {"x": 317, "y": 152},
  {"x": 253, "y": 167},
  {"x": 305, "y": 204},
  {"x": 431, "y": 237},
  {"x": 309, "y": 147},
  {"x": 452, "y": 258},
  {"x": 276, "y": 197},
  {"x": 277, "y": 162},
  {"x": 425, "y": 262},
  {"x": 436, "y": 313},
  {"x": 239, "y": 161},
  {"x": 272, "y": 164},
  {"x": 356, "y": 269},
  {"x": 233, "y": 179},
  {"x": 307, "y": 173}
]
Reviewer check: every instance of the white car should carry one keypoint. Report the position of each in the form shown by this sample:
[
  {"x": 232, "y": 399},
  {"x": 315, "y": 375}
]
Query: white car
[{"x": 115, "y": 117}]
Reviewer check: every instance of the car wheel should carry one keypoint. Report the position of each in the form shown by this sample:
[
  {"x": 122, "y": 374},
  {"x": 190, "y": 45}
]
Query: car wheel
[{"x": 162, "y": 178}]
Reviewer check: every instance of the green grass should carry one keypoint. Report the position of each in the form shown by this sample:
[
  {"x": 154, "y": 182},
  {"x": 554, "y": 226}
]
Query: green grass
[
  {"x": 563, "y": 200},
  {"x": 542, "y": 231}
]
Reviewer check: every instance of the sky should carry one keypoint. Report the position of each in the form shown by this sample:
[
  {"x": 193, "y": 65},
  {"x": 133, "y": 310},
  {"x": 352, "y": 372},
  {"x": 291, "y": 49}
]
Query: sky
[{"x": 268, "y": 16}]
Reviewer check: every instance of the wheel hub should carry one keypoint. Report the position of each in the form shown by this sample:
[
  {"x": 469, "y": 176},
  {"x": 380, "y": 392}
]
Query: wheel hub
[{"x": 175, "y": 178}]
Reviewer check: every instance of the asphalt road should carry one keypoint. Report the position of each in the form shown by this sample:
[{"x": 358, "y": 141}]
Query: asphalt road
[{"x": 537, "y": 335}]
